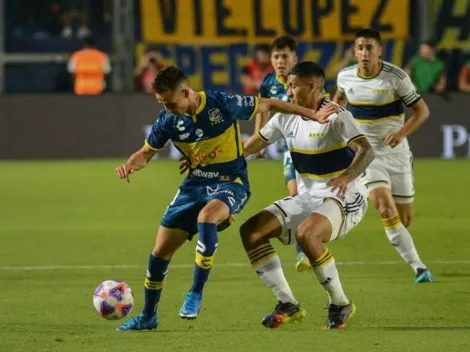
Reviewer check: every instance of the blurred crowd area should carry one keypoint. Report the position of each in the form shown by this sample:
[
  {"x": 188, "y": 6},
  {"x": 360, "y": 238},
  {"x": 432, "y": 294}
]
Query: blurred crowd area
[{"x": 67, "y": 26}]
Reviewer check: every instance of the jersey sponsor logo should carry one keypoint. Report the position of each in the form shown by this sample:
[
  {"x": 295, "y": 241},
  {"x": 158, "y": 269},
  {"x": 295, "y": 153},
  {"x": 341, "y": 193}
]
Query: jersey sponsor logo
[
  {"x": 316, "y": 135},
  {"x": 379, "y": 91},
  {"x": 245, "y": 100},
  {"x": 204, "y": 174},
  {"x": 274, "y": 90},
  {"x": 215, "y": 116},
  {"x": 201, "y": 158},
  {"x": 351, "y": 91},
  {"x": 199, "y": 132}
]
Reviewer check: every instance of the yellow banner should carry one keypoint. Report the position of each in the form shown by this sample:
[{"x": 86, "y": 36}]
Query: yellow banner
[{"x": 236, "y": 21}]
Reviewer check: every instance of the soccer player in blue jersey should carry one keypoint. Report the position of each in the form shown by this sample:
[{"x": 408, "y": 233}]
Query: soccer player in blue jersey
[{"x": 204, "y": 127}]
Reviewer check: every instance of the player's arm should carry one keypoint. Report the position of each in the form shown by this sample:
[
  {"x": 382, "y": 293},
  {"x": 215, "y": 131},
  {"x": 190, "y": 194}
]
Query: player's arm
[
  {"x": 321, "y": 116},
  {"x": 412, "y": 99},
  {"x": 155, "y": 141},
  {"x": 136, "y": 162},
  {"x": 253, "y": 145},
  {"x": 340, "y": 96},
  {"x": 364, "y": 153},
  {"x": 270, "y": 133}
]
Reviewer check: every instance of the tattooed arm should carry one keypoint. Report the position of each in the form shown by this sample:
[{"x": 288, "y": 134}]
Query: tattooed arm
[{"x": 362, "y": 159}]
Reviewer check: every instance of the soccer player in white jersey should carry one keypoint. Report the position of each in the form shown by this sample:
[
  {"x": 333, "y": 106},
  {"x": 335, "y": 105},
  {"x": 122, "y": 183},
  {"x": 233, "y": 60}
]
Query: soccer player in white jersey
[
  {"x": 375, "y": 90},
  {"x": 331, "y": 199}
]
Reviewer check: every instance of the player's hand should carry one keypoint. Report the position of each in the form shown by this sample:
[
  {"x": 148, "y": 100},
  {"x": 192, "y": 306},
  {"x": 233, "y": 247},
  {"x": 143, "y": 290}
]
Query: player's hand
[
  {"x": 339, "y": 183},
  {"x": 124, "y": 171},
  {"x": 393, "y": 139},
  {"x": 322, "y": 115},
  {"x": 184, "y": 165}
]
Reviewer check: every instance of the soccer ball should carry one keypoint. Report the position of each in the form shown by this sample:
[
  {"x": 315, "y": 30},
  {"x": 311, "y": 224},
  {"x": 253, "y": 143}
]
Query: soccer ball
[{"x": 113, "y": 299}]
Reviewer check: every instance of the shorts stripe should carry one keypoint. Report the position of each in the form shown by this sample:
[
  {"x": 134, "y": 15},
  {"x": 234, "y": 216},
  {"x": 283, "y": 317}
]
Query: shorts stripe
[
  {"x": 282, "y": 210},
  {"x": 399, "y": 196}
]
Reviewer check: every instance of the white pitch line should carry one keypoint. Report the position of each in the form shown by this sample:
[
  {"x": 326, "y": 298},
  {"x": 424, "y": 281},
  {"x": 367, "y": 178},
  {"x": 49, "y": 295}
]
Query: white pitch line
[{"x": 221, "y": 265}]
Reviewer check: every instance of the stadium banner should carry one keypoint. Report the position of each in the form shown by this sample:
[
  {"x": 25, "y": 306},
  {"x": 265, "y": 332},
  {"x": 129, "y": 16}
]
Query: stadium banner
[
  {"x": 237, "y": 21},
  {"x": 116, "y": 126},
  {"x": 219, "y": 66}
]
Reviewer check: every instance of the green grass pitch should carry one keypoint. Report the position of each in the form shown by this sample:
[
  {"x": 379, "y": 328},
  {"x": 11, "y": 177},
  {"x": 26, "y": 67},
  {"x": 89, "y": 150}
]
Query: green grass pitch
[{"x": 66, "y": 226}]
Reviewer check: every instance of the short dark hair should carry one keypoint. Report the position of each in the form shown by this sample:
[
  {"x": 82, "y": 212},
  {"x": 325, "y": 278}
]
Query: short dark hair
[
  {"x": 283, "y": 42},
  {"x": 431, "y": 43},
  {"x": 169, "y": 78},
  {"x": 308, "y": 69},
  {"x": 369, "y": 33}
]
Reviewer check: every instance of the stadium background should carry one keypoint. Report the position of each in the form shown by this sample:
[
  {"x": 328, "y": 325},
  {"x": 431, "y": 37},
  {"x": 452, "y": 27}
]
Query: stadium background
[{"x": 67, "y": 223}]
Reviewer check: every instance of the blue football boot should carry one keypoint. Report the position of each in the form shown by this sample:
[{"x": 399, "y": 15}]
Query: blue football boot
[
  {"x": 140, "y": 322},
  {"x": 191, "y": 306},
  {"x": 423, "y": 275}
]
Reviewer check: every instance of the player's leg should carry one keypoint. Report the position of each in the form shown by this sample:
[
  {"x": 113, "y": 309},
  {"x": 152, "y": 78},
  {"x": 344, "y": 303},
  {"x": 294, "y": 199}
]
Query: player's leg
[
  {"x": 403, "y": 196},
  {"x": 396, "y": 232},
  {"x": 277, "y": 221},
  {"x": 167, "y": 243},
  {"x": 224, "y": 201},
  {"x": 327, "y": 222},
  {"x": 406, "y": 212},
  {"x": 302, "y": 263}
]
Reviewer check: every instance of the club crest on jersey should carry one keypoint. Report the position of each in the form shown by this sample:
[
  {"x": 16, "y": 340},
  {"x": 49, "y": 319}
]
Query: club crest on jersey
[
  {"x": 215, "y": 116},
  {"x": 274, "y": 90}
]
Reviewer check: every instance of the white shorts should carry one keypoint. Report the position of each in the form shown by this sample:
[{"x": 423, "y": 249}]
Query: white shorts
[
  {"x": 344, "y": 215},
  {"x": 395, "y": 172}
]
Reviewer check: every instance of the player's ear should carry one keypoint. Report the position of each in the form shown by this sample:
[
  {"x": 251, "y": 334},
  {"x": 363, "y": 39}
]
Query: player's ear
[
  {"x": 185, "y": 92},
  {"x": 380, "y": 51}
]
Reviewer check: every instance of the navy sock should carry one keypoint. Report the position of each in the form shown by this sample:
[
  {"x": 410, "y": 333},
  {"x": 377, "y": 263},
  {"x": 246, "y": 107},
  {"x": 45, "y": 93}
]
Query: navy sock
[
  {"x": 205, "y": 251},
  {"x": 156, "y": 272}
]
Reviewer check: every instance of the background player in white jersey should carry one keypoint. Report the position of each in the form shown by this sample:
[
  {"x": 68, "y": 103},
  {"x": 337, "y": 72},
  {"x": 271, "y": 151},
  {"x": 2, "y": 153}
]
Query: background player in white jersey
[
  {"x": 375, "y": 90},
  {"x": 331, "y": 199}
]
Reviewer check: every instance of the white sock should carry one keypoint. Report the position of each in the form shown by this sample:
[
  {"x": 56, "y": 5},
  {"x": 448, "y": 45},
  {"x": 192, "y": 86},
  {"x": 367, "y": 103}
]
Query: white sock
[
  {"x": 265, "y": 261},
  {"x": 328, "y": 276},
  {"x": 401, "y": 239}
]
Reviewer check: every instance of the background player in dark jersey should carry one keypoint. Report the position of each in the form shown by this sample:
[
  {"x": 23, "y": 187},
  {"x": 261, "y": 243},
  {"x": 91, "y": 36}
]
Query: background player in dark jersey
[
  {"x": 283, "y": 58},
  {"x": 204, "y": 127}
]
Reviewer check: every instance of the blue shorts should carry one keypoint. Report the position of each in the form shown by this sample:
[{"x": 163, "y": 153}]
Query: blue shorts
[
  {"x": 289, "y": 169},
  {"x": 183, "y": 211}
]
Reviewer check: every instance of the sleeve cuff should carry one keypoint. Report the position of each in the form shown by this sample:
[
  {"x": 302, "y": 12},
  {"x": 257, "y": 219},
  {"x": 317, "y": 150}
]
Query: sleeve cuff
[
  {"x": 255, "y": 111},
  {"x": 153, "y": 148},
  {"x": 355, "y": 138},
  {"x": 263, "y": 137}
]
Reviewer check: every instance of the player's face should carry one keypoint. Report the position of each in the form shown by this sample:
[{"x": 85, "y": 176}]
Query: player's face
[
  {"x": 367, "y": 51},
  {"x": 426, "y": 51},
  {"x": 174, "y": 101},
  {"x": 300, "y": 90},
  {"x": 262, "y": 57},
  {"x": 283, "y": 60}
]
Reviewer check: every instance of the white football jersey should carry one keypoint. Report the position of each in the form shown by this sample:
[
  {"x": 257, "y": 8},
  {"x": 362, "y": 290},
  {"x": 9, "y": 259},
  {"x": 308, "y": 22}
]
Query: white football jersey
[
  {"x": 376, "y": 102},
  {"x": 318, "y": 151}
]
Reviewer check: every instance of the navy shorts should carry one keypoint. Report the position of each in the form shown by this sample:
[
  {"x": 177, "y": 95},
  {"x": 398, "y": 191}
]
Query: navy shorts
[{"x": 183, "y": 211}]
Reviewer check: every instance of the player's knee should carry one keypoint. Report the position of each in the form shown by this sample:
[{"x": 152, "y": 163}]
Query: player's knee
[
  {"x": 162, "y": 253},
  {"x": 251, "y": 234},
  {"x": 306, "y": 232},
  {"x": 386, "y": 211}
]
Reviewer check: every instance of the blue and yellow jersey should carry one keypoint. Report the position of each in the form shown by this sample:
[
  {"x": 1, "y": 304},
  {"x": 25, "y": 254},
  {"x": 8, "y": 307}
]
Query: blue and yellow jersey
[
  {"x": 210, "y": 139},
  {"x": 273, "y": 86}
]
